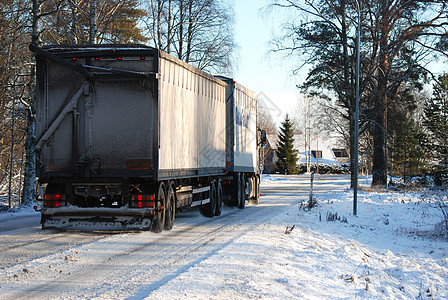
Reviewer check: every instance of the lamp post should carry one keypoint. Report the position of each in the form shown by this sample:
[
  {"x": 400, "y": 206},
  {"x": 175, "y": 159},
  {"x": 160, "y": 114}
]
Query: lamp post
[
  {"x": 355, "y": 188},
  {"x": 308, "y": 151},
  {"x": 317, "y": 153}
]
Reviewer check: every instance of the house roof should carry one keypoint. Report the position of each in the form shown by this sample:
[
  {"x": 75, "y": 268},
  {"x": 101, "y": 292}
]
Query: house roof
[{"x": 322, "y": 143}]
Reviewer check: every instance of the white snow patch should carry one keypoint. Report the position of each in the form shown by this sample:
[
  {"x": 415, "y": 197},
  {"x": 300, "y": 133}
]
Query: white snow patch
[{"x": 390, "y": 250}]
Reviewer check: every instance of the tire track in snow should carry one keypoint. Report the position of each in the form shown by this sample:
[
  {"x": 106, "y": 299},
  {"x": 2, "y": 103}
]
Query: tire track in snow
[
  {"x": 146, "y": 292},
  {"x": 124, "y": 272},
  {"x": 136, "y": 265},
  {"x": 259, "y": 216},
  {"x": 106, "y": 265},
  {"x": 28, "y": 247}
]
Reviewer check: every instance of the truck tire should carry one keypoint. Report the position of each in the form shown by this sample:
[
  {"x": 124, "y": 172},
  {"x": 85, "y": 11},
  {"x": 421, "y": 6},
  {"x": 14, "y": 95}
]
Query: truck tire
[
  {"x": 256, "y": 199},
  {"x": 218, "y": 209},
  {"x": 158, "y": 220},
  {"x": 257, "y": 188},
  {"x": 208, "y": 210},
  {"x": 236, "y": 194},
  {"x": 242, "y": 188},
  {"x": 170, "y": 208}
]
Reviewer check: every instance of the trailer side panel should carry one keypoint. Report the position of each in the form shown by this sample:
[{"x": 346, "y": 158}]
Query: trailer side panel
[
  {"x": 241, "y": 152},
  {"x": 192, "y": 121}
]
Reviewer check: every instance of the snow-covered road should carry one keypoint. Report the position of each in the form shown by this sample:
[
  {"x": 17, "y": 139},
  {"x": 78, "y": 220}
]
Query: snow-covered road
[{"x": 241, "y": 254}]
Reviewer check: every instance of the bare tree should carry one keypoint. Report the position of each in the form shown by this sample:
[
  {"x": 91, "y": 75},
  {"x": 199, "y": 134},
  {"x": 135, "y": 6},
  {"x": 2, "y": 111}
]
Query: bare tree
[
  {"x": 198, "y": 32},
  {"x": 17, "y": 85},
  {"x": 94, "y": 21},
  {"x": 321, "y": 34},
  {"x": 397, "y": 40},
  {"x": 400, "y": 42}
]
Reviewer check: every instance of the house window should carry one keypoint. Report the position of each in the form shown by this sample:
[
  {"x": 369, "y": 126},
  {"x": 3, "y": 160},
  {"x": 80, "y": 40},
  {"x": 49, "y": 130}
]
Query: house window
[
  {"x": 340, "y": 152},
  {"x": 317, "y": 153}
]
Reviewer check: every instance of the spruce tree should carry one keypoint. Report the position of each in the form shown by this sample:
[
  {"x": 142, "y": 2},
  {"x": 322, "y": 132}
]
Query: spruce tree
[
  {"x": 287, "y": 155},
  {"x": 436, "y": 121}
]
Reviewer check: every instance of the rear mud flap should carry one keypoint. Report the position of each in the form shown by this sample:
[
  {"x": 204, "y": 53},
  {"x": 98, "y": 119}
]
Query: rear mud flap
[{"x": 97, "y": 223}]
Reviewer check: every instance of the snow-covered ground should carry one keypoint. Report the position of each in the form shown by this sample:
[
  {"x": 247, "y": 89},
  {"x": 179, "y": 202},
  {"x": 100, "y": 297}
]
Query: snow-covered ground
[
  {"x": 387, "y": 251},
  {"x": 392, "y": 249}
]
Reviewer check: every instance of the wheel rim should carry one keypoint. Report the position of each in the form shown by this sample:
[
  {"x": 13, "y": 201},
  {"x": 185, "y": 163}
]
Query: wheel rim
[
  {"x": 213, "y": 196},
  {"x": 219, "y": 199},
  {"x": 170, "y": 209},
  {"x": 242, "y": 192},
  {"x": 159, "y": 216},
  {"x": 238, "y": 201}
]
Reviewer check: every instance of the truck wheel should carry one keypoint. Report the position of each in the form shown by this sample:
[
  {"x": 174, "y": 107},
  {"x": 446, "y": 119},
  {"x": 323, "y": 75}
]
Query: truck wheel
[
  {"x": 242, "y": 187},
  {"x": 257, "y": 188},
  {"x": 256, "y": 199},
  {"x": 158, "y": 220},
  {"x": 218, "y": 209},
  {"x": 236, "y": 194},
  {"x": 170, "y": 208},
  {"x": 208, "y": 210}
]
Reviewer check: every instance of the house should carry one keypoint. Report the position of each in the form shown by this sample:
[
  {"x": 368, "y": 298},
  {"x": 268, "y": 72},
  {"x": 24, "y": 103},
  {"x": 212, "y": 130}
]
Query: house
[{"x": 314, "y": 149}]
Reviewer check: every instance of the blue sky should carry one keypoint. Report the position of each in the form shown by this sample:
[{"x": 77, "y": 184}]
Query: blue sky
[
  {"x": 257, "y": 69},
  {"x": 266, "y": 73}
]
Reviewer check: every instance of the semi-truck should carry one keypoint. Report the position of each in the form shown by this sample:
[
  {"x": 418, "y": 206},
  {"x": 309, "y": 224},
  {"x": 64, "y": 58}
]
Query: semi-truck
[{"x": 128, "y": 135}]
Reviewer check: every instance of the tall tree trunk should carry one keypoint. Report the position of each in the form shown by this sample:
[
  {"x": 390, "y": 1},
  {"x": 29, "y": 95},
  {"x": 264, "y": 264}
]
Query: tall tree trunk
[
  {"x": 379, "y": 171},
  {"x": 379, "y": 129},
  {"x": 379, "y": 146},
  {"x": 92, "y": 29},
  {"x": 181, "y": 28},
  {"x": 11, "y": 162},
  {"x": 348, "y": 91},
  {"x": 189, "y": 30},
  {"x": 74, "y": 27},
  {"x": 170, "y": 26},
  {"x": 29, "y": 181},
  {"x": 159, "y": 23}
]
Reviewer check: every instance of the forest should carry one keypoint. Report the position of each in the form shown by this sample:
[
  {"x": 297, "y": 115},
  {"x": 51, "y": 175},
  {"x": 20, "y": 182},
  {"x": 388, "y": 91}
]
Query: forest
[
  {"x": 401, "y": 87},
  {"x": 197, "y": 32}
]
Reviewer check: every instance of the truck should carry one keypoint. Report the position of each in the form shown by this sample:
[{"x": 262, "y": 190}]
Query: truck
[{"x": 128, "y": 135}]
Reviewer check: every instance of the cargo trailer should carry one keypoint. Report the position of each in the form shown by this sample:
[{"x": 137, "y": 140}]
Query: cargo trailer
[{"x": 127, "y": 135}]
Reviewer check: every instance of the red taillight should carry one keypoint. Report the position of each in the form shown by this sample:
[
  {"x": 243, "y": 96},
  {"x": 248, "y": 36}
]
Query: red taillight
[
  {"x": 54, "y": 200},
  {"x": 144, "y": 197},
  {"x": 51, "y": 204},
  {"x": 119, "y": 58},
  {"x": 54, "y": 197},
  {"x": 142, "y": 201}
]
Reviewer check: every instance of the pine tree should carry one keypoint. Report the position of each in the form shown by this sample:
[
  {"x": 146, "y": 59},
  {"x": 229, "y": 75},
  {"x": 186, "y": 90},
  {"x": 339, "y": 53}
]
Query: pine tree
[
  {"x": 407, "y": 154},
  {"x": 287, "y": 155},
  {"x": 436, "y": 121}
]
